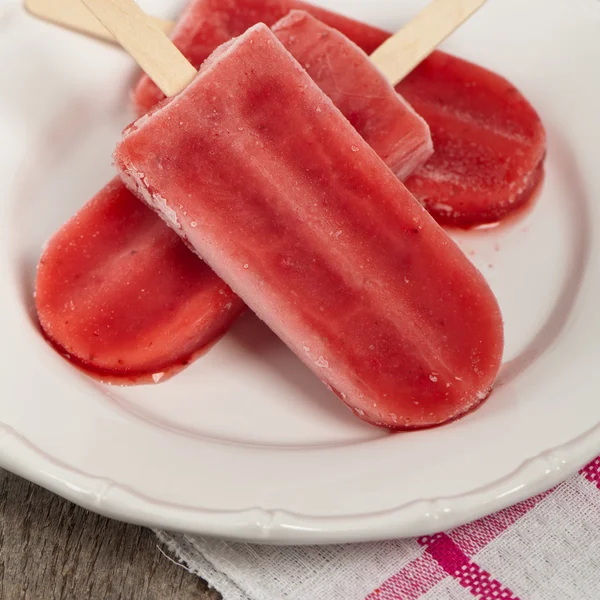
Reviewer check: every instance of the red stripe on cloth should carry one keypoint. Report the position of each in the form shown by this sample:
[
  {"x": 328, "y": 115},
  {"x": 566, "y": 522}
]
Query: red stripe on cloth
[
  {"x": 412, "y": 581},
  {"x": 473, "y": 537},
  {"x": 450, "y": 554},
  {"x": 592, "y": 472},
  {"x": 457, "y": 564}
]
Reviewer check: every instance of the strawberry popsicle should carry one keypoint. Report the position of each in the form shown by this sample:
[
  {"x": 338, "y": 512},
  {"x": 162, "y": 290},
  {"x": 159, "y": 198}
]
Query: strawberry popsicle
[
  {"x": 121, "y": 295},
  {"x": 257, "y": 170},
  {"x": 489, "y": 142},
  {"x": 87, "y": 272}
]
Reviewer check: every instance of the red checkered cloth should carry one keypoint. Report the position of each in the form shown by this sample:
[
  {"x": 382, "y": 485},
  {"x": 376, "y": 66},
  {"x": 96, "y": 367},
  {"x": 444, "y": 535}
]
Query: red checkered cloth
[{"x": 545, "y": 548}]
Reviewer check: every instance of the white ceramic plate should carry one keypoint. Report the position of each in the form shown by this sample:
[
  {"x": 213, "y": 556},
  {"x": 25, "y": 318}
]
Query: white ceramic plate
[{"x": 246, "y": 443}]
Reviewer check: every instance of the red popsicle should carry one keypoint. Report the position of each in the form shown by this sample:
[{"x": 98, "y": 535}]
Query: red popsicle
[
  {"x": 489, "y": 142},
  {"x": 121, "y": 295},
  {"x": 318, "y": 236}
]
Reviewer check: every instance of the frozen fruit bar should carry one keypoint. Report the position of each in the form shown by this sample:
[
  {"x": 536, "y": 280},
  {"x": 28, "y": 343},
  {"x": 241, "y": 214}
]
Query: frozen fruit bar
[
  {"x": 489, "y": 142},
  {"x": 343, "y": 71},
  {"x": 120, "y": 294},
  {"x": 255, "y": 167}
]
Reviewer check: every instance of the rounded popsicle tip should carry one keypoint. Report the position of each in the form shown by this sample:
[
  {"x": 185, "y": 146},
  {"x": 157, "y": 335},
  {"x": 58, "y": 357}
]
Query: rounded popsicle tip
[
  {"x": 437, "y": 401},
  {"x": 431, "y": 410},
  {"x": 120, "y": 296},
  {"x": 489, "y": 142},
  {"x": 438, "y": 365}
]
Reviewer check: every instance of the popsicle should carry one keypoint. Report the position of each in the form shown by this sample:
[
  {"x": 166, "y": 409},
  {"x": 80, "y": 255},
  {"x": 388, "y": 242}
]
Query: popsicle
[
  {"x": 121, "y": 295},
  {"x": 258, "y": 171},
  {"x": 489, "y": 141},
  {"x": 101, "y": 305}
]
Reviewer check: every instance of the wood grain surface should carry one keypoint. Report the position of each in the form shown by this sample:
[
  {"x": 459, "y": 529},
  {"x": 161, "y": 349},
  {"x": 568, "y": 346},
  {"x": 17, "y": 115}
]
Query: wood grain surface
[{"x": 51, "y": 549}]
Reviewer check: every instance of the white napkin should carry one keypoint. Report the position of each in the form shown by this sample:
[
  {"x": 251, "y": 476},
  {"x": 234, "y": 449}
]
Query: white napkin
[{"x": 546, "y": 548}]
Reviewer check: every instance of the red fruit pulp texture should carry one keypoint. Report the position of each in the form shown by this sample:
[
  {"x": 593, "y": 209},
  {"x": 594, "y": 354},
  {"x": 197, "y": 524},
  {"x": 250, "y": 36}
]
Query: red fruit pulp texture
[
  {"x": 323, "y": 242},
  {"x": 119, "y": 292},
  {"x": 344, "y": 73},
  {"x": 489, "y": 142}
]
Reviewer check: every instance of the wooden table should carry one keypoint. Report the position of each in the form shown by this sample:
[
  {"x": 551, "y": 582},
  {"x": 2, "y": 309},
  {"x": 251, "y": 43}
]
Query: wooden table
[{"x": 51, "y": 549}]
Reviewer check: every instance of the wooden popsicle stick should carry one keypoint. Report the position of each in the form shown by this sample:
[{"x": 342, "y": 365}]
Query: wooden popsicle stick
[
  {"x": 399, "y": 55},
  {"x": 396, "y": 57},
  {"x": 171, "y": 71},
  {"x": 145, "y": 42},
  {"x": 72, "y": 14}
]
